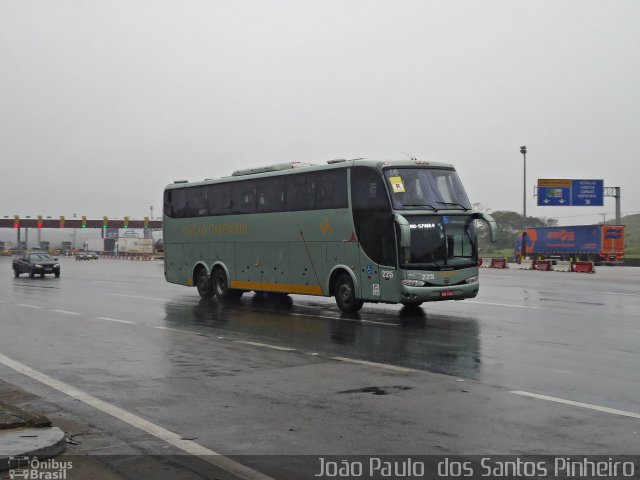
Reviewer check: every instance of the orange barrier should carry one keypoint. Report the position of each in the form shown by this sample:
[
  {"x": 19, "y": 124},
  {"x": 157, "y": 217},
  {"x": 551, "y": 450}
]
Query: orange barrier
[
  {"x": 584, "y": 267},
  {"x": 544, "y": 265}
]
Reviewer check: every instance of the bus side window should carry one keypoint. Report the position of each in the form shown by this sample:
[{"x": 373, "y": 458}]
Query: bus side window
[
  {"x": 270, "y": 194},
  {"x": 331, "y": 189},
  {"x": 219, "y": 199},
  {"x": 299, "y": 192},
  {"x": 243, "y": 196}
]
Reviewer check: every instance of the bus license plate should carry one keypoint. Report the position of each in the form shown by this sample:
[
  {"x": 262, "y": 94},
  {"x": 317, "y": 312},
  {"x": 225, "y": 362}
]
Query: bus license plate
[{"x": 447, "y": 293}]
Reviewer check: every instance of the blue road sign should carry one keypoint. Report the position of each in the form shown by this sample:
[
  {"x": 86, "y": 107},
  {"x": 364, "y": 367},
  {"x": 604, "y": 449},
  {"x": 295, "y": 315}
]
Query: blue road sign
[
  {"x": 554, "y": 196},
  {"x": 587, "y": 192},
  {"x": 564, "y": 192}
]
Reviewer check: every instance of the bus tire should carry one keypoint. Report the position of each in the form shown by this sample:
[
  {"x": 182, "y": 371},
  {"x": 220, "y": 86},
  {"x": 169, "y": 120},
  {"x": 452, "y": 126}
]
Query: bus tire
[
  {"x": 345, "y": 294},
  {"x": 203, "y": 283},
  {"x": 221, "y": 286},
  {"x": 411, "y": 305}
]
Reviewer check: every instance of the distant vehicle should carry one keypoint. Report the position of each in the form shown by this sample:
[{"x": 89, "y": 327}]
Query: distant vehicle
[
  {"x": 92, "y": 256},
  {"x": 596, "y": 243},
  {"x": 83, "y": 256},
  {"x": 101, "y": 245},
  {"x": 36, "y": 263},
  {"x": 137, "y": 246}
]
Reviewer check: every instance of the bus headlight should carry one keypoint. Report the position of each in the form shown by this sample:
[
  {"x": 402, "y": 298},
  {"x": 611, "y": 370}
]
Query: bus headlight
[
  {"x": 413, "y": 283},
  {"x": 473, "y": 279}
]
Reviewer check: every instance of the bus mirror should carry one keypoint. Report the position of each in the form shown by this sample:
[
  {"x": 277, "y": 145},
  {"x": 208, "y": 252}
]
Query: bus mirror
[
  {"x": 405, "y": 230},
  {"x": 405, "y": 238},
  {"x": 493, "y": 226}
]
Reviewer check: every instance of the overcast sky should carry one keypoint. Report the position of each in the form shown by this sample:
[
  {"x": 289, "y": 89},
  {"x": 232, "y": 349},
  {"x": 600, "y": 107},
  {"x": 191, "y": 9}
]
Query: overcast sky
[{"x": 102, "y": 103}]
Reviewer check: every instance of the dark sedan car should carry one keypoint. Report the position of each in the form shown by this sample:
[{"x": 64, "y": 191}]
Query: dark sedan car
[{"x": 36, "y": 264}]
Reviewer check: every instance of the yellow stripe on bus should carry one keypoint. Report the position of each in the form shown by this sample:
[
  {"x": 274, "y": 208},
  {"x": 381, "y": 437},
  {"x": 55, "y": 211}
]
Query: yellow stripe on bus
[{"x": 277, "y": 287}]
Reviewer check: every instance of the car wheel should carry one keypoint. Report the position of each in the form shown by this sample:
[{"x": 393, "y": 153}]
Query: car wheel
[
  {"x": 16, "y": 272},
  {"x": 31, "y": 274},
  {"x": 203, "y": 284},
  {"x": 57, "y": 274},
  {"x": 345, "y": 294},
  {"x": 221, "y": 286}
]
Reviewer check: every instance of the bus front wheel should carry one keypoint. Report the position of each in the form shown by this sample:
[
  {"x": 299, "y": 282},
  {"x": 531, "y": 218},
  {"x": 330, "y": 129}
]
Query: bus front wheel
[
  {"x": 345, "y": 294},
  {"x": 221, "y": 286},
  {"x": 203, "y": 284}
]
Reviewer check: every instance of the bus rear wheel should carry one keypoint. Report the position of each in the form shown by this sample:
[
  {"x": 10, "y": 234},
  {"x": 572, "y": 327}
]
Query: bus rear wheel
[
  {"x": 221, "y": 286},
  {"x": 203, "y": 284},
  {"x": 345, "y": 294}
]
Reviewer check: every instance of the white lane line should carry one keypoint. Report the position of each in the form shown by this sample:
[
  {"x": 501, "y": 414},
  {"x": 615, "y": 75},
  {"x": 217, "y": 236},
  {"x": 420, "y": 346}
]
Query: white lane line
[
  {"x": 66, "y": 312},
  {"x": 374, "y": 364},
  {"x": 502, "y": 304},
  {"x": 26, "y": 305},
  {"x": 138, "y": 296},
  {"x": 140, "y": 423},
  {"x": 160, "y": 327},
  {"x": 265, "y": 345},
  {"x": 115, "y": 320},
  {"x": 344, "y": 319},
  {"x": 590, "y": 406},
  {"x": 623, "y": 294}
]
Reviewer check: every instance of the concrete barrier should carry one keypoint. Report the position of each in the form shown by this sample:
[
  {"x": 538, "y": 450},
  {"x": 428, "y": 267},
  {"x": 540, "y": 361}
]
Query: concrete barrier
[
  {"x": 526, "y": 264},
  {"x": 543, "y": 265},
  {"x": 485, "y": 262},
  {"x": 561, "y": 266},
  {"x": 584, "y": 267},
  {"x": 498, "y": 263}
]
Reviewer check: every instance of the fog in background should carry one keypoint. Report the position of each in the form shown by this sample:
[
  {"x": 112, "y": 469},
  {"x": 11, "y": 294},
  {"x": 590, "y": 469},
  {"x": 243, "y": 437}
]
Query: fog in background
[{"x": 102, "y": 103}]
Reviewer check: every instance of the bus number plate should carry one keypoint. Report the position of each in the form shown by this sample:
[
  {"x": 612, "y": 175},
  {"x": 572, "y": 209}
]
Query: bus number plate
[{"x": 447, "y": 293}]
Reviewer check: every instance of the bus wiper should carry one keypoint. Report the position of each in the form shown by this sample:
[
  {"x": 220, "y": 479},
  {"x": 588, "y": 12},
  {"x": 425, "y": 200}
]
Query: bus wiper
[
  {"x": 421, "y": 205},
  {"x": 454, "y": 203}
]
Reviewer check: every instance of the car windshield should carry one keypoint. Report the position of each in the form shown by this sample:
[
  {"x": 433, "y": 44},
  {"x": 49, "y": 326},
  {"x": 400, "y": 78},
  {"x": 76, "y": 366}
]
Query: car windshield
[
  {"x": 426, "y": 189},
  {"x": 34, "y": 257}
]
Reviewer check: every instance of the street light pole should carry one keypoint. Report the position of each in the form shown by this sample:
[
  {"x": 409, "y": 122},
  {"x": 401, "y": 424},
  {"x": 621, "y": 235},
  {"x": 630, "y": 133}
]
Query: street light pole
[{"x": 523, "y": 151}]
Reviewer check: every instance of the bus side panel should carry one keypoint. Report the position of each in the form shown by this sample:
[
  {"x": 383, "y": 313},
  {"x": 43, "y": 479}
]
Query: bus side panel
[
  {"x": 307, "y": 268},
  {"x": 174, "y": 263},
  {"x": 224, "y": 253},
  {"x": 274, "y": 262},
  {"x": 247, "y": 272}
]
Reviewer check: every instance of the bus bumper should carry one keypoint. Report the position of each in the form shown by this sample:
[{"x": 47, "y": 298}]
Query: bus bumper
[{"x": 437, "y": 294}]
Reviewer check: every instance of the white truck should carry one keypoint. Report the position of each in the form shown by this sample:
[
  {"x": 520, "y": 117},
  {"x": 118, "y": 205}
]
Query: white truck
[
  {"x": 136, "y": 246},
  {"x": 100, "y": 245}
]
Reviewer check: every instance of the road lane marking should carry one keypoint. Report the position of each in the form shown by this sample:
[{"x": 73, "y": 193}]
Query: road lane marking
[
  {"x": 374, "y": 364},
  {"x": 115, "y": 320},
  {"x": 65, "y": 312},
  {"x": 344, "y": 319},
  {"x": 140, "y": 423},
  {"x": 265, "y": 345},
  {"x": 139, "y": 296},
  {"x": 502, "y": 304},
  {"x": 160, "y": 327},
  {"x": 623, "y": 294},
  {"x": 590, "y": 406},
  {"x": 26, "y": 305}
]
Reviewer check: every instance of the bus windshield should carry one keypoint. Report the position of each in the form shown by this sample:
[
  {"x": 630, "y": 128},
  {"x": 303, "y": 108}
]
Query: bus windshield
[
  {"x": 439, "y": 241},
  {"x": 426, "y": 189}
]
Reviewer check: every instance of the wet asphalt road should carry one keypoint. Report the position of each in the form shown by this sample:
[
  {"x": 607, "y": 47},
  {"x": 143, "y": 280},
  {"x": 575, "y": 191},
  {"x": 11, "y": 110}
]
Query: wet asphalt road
[{"x": 115, "y": 329}]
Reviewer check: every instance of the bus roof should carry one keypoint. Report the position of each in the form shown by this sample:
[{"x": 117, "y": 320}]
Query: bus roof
[{"x": 296, "y": 167}]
